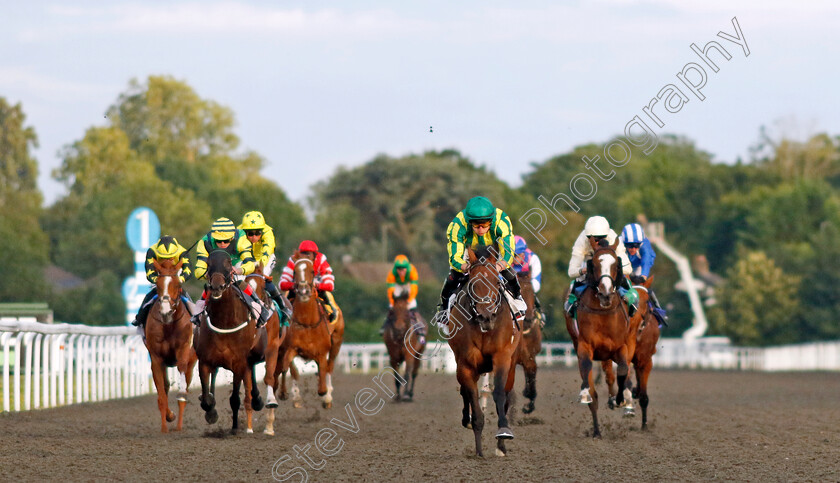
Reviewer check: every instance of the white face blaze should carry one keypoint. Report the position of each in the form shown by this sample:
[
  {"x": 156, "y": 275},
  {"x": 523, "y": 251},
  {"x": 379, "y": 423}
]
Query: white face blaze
[
  {"x": 606, "y": 267},
  {"x": 164, "y": 302}
]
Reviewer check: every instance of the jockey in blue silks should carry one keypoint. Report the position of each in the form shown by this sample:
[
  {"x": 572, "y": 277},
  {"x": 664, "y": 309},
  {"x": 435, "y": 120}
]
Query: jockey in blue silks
[
  {"x": 526, "y": 261},
  {"x": 641, "y": 255}
]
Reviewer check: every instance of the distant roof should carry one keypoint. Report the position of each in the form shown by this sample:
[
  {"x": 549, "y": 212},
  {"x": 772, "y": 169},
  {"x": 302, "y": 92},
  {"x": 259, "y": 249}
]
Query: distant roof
[
  {"x": 61, "y": 279},
  {"x": 375, "y": 272}
]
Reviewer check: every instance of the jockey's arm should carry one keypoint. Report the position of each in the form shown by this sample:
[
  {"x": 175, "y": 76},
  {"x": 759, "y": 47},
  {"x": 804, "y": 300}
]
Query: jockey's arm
[
  {"x": 620, "y": 251},
  {"x": 455, "y": 234},
  {"x": 246, "y": 257},
  {"x": 504, "y": 232},
  {"x": 648, "y": 256},
  {"x": 201, "y": 259},
  {"x": 391, "y": 295},
  {"x": 287, "y": 279},
  {"x": 325, "y": 275},
  {"x": 536, "y": 272},
  {"x": 151, "y": 273},
  {"x": 186, "y": 272},
  {"x": 412, "y": 292},
  {"x": 578, "y": 256}
]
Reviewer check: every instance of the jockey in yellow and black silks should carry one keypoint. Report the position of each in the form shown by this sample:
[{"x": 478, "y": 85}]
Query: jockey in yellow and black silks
[
  {"x": 402, "y": 280},
  {"x": 167, "y": 247},
  {"x": 225, "y": 236},
  {"x": 481, "y": 224},
  {"x": 261, "y": 237}
]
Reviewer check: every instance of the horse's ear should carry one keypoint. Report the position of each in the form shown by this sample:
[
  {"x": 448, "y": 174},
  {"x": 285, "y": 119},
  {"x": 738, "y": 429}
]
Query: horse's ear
[
  {"x": 648, "y": 282},
  {"x": 179, "y": 264},
  {"x": 592, "y": 243},
  {"x": 296, "y": 255},
  {"x": 615, "y": 243},
  {"x": 157, "y": 265},
  {"x": 471, "y": 256}
]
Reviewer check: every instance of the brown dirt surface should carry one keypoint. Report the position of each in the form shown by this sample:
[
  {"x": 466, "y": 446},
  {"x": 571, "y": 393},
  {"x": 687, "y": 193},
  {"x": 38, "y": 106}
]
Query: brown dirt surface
[{"x": 703, "y": 426}]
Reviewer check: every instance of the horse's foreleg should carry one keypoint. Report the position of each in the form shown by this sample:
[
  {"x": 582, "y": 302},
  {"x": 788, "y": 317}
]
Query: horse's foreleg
[
  {"x": 529, "y": 367},
  {"x": 588, "y": 395},
  {"x": 609, "y": 378},
  {"x": 485, "y": 390},
  {"x": 270, "y": 379},
  {"x": 184, "y": 367},
  {"x": 395, "y": 364},
  {"x": 324, "y": 383},
  {"x": 235, "y": 401},
  {"x": 208, "y": 400},
  {"x": 642, "y": 374},
  {"x": 624, "y": 398},
  {"x": 501, "y": 375},
  {"x": 468, "y": 379},
  {"x": 254, "y": 392},
  {"x": 159, "y": 376},
  {"x": 250, "y": 399}
]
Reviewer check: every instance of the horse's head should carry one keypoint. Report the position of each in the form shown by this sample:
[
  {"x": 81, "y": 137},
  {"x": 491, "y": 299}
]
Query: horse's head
[
  {"x": 643, "y": 289},
  {"x": 219, "y": 273},
  {"x": 400, "y": 310},
  {"x": 483, "y": 285},
  {"x": 304, "y": 277},
  {"x": 168, "y": 287},
  {"x": 605, "y": 267}
]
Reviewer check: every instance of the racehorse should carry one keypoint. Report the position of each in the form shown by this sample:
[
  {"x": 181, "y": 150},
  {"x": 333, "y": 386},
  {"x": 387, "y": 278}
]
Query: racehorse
[
  {"x": 225, "y": 339},
  {"x": 646, "y": 338},
  {"x": 404, "y": 344},
  {"x": 267, "y": 347},
  {"x": 169, "y": 341},
  {"x": 603, "y": 330},
  {"x": 531, "y": 343},
  {"x": 530, "y": 346},
  {"x": 310, "y": 334},
  {"x": 483, "y": 339}
]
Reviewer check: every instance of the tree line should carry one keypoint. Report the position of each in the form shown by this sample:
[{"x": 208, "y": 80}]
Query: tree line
[{"x": 766, "y": 225}]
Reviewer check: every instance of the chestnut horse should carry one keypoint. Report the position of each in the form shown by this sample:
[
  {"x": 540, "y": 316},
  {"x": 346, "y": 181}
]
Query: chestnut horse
[
  {"x": 310, "y": 334},
  {"x": 483, "y": 339},
  {"x": 531, "y": 343},
  {"x": 404, "y": 344},
  {"x": 225, "y": 338},
  {"x": 646, "y": 338},
  {"x": 267, "y": 347},
  {"x": 169, "y": 341},
  {"x": 603, "y": 331}
]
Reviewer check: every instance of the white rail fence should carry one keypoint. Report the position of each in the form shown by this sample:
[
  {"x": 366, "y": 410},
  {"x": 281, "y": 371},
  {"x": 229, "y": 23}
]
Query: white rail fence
[{"x": 48, "y": 365}]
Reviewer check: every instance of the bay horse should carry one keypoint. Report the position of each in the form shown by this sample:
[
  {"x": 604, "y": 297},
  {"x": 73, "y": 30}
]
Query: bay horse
[
  {"x": 404, "y": 345},
  {"x": 483, "y": 339},
  {"x": 646, "y": 338},
  {"x": 310, "y": 334},
  {"x": 225, "y": 338},
  {"x": 266, "y": 347},
  {"x": 530, "y": 344},
  {"x": 603, "y": 330},
  {"x": 168, "y": 334}
]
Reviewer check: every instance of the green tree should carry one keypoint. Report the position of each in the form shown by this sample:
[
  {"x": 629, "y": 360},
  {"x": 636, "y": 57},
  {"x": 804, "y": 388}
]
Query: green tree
[
  {"x": 819, "y": 291},
  {"x": 26, "y": 254},
  {"x": 758, "y": 303}
]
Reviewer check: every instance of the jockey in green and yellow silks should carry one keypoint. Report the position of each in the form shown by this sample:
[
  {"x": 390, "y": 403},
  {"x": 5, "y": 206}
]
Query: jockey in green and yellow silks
[
  {"x": 225, "y": 236},
  {"x": 165, "y": 248},
  {"x": 481, "y": 224}
]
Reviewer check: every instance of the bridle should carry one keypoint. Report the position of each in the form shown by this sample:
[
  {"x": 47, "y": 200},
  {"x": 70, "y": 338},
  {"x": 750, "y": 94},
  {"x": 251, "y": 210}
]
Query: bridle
[
  {"x": 488, "y": 299},
  {"x": 165, "y": 298},
  {"x": 303, "y": 288}
]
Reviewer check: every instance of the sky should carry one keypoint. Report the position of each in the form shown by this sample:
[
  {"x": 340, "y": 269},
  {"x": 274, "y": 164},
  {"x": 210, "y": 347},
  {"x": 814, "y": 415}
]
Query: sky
[{"x": 315, "y": 85}]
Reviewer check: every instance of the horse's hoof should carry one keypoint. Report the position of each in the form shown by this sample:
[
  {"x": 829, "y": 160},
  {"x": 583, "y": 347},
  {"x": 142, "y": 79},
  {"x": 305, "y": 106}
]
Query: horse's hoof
[
  {"x": 257, "y": 403},
  {"x": 611, "y": 402},
  {"x": 504, "y": 433},
  {"x": 528, "y": 408},
  {"x": 629, "y": 412},
  {"x": 249, "y": 431},
  {"x": 500, "y": 452},
  {"x": 283, "y": 396},
  {"x": 269, "y": 432},
  {"x": 272, "y": 405},
  {"x": 164, "y": 429},
  {"x": 596, "y": 434},
  {"x": 326, "y": 405},
  {"x": 397, "y": 398},
  {"x": 585, "y": 397},
  {"x": 298, "y": 404},
  {"x": 211, "y": 416}
]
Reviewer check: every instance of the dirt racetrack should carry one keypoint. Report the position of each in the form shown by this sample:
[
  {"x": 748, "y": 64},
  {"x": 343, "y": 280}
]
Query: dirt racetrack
[{"x": 703, "y": 426}]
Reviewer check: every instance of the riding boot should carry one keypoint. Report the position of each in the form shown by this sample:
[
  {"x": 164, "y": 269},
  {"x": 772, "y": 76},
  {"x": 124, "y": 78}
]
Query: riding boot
[
  {"x": 265, "y": 311},
  {"x": 199, "y": 309},
  {"x": 658, "y": 311},
  {"x": 572, "y": 303},
  {"x": 385, "y": 322},
  {"x": 145, "y": 307},
  {"x": 630, "y": 295},
  {"x": 282, "y": 302},
  {"x": 332, "y": 313},
  {"x": 450, "y": 285}
]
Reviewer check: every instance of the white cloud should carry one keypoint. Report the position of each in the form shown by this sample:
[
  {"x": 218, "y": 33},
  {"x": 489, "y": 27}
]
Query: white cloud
[{"x": 23, "y": 79}]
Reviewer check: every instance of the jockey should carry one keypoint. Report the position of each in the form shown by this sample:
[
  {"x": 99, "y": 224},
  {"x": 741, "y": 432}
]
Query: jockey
[
  {"x": 167, "y": 247},
  {"x": 402, "y": 279},
  {"x": 225, "y": 236},
  {"x": 261, "y": 237},
  {"x": 598, "y": 227},
  {"x": 324, "y": 278},
  {"x": 481, "y": 224},
  {"x": 526, "y": 261},
  {"x": 641, "y": 254}
]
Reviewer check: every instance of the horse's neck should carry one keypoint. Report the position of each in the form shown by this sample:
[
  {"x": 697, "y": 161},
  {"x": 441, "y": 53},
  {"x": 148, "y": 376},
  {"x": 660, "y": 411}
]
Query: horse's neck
[
  {"x": 230, "y": 299},
  {"x": 306, "y": 312},
  {"x": 400, "y": 318}
]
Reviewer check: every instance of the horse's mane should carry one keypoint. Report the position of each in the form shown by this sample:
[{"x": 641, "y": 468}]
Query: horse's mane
[{"x": 485, "y": 252}]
